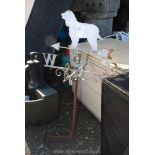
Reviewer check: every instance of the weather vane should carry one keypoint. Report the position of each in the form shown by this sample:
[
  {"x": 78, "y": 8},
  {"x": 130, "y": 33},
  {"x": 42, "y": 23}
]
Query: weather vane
[{"x": 78, "y": 30}]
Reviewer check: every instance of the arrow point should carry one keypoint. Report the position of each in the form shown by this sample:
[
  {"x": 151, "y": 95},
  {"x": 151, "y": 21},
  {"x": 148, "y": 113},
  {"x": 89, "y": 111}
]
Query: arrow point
[{"x": 56, "y": 46}]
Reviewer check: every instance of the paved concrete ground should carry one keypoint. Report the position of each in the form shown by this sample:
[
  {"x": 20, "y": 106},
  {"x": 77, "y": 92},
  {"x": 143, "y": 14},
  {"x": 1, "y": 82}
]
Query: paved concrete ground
[{"x": 87, "y": 139}]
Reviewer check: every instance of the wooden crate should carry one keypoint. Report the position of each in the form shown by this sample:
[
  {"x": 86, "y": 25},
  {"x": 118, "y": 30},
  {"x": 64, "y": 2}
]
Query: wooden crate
[{"x": 89, "y": 91}]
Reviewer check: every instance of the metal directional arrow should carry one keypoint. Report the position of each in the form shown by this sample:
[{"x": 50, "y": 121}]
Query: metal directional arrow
[{"x": 57, "y": 46}]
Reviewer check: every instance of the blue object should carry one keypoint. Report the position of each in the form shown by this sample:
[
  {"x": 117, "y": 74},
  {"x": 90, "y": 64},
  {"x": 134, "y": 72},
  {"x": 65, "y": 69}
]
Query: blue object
[{"x": 64, "y": 33}]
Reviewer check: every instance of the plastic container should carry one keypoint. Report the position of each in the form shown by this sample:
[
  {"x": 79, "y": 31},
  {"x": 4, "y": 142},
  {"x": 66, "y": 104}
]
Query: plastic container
[{"x": 42, "y": 106}]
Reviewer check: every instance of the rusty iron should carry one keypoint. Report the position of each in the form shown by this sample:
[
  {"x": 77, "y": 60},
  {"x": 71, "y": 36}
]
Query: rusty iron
[
  {"x": 74, "y": 120},
  {"x": 72, "y": 133}
]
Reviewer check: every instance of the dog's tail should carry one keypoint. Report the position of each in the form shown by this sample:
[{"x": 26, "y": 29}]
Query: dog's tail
[{"x": 99, "y": 37}]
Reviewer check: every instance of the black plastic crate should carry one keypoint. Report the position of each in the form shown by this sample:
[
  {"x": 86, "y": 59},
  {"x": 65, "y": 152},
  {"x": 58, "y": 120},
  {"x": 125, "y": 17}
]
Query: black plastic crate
[{"x": 115, "y": 116}]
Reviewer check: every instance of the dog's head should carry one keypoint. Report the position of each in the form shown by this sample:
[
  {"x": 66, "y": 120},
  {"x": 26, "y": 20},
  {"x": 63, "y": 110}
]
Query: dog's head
[{"x": 69, "y": 17}]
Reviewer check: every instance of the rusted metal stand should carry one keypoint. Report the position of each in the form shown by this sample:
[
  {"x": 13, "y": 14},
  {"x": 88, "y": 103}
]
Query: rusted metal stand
[
  {"x": 72, "y": 132},
  {"x": 74, "y": 119}
]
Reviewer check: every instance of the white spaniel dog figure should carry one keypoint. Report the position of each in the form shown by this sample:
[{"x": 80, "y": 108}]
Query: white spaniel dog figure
[{"x": 79, "y": 30}]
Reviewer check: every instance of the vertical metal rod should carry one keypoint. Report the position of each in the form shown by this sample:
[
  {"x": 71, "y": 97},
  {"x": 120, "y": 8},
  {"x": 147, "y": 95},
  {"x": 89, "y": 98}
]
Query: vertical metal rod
[
  {"x": 74, "y": 108},
  {"x": 74, "y": 118}
]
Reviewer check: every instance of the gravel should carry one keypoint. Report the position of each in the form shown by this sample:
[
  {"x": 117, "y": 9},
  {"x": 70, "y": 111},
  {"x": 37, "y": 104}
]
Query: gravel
[{"x": 87, "y": 137}]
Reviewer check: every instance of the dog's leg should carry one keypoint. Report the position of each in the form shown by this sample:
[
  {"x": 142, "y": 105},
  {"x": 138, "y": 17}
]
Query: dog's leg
[
  {"x": 93, "y": 43},
  {"x": 75, "y": 41}
]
